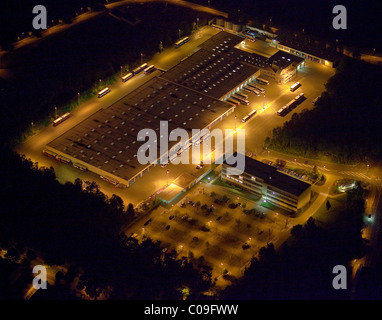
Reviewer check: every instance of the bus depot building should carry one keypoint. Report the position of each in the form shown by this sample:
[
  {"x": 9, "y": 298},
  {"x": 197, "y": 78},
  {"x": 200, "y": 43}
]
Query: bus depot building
[
  {"x": 190, "y": 95},
  {"x": 272, "y": 185},
  {"x": 106, "y": 142}
]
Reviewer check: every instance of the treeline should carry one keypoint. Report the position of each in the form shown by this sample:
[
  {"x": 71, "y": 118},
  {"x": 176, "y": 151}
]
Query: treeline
[
  {"x": 363, "y": 18},
  {"x": 82, "y": 59},
  {"x": 77, "y": 225},
  {"x": 303, "y": 269},
  {"x": 16, "y": 17},
  {"x": 346, "y": 121}
]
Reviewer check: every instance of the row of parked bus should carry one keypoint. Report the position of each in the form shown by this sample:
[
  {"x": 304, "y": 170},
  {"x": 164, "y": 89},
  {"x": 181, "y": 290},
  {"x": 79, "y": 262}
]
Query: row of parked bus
[
  {"x": 291, "y": 105},
  {"x": 63, "y": 159},
  {"x": 77, "y": 165},
  {"x": 144, "y": 67}
]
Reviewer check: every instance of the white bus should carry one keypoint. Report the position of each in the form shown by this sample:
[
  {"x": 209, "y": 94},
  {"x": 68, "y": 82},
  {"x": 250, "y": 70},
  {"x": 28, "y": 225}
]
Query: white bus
[
  {"x": 103, "y": 92},
  {"x": 262, "y": 81},
  {"x": 140, "y": 68},
  {"x": 61, "y": 119},
  {"x": 182, "y": 42},
  {"x": 241, "y": 95},
  {"x": 127, "y": 77},
  {"x": 236, "y": 103},
  {"x": 253, "y": 90},
  {"x": 249, "y": 116},
  {"x": 79, "y": 166},
  {"x": 282, "y": 111},
  {"x": 295, "y": 86},
  {"x": 262, "y": 90},
  {"x": 149, "y": 69}
]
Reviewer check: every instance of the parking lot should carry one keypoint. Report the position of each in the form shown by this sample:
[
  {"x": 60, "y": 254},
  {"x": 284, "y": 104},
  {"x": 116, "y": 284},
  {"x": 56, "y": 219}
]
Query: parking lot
[{"x": 214, "y": 222}]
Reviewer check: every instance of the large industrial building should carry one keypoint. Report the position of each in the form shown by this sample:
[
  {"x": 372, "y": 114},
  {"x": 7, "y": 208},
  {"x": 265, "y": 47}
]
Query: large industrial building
[
  {"x": 191, "y": 95},
  {"x": 266, "y": 181}
]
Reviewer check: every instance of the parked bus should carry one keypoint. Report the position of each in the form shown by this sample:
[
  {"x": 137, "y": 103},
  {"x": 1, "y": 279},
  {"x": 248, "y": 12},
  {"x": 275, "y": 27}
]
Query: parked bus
[
  {"x": 103, "y": 92},
  {"x": 282, "y": 111},
  {"x": 241, "y": 100},
  {"x": 262, "y": 90},
  {"x": 314, "y": 101},
  {"x": 249, "y": 116},
  {"x": 149, "y": 69},
  {"x": 48, "y": 153},
  {"x": 299, "y": 97},
  {"x": 79, "y": 166},
  {"x": 253, "y": 90},
  {"x": 182, "y": 42},
  {"x": 140, "y": 68},
  {"x": 110, "y": 180},
  {"x": 127, "y": 77},
  {"x": 62, "y": 159},
  {"x": 236, "y": 103},
  {"x": 61, "y": 119},
  {"x": 240, "y": 95},
  {"x": 262, "y": 81},
  {"x": 295, "y": 86}
]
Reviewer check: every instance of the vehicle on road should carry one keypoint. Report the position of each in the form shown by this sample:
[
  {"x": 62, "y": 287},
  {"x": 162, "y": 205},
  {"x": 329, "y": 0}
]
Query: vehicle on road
[
  {"x": 262, "y": 81},
  {"x": 149, "y": 69},
  {"x": 249, "y": 116},
  {"x": 295, "y": 86},
  {"x": 61, "y": 119},
  {"x": 182, "y": 42},
  {"x": 127, "y": 77},
  {"x": 140, "y": 68},
  {"x": 103, "y": 92}
]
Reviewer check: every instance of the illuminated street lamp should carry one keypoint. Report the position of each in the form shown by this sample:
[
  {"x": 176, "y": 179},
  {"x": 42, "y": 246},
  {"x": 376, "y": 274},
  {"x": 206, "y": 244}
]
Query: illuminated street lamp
[
  {"x": 78, "y": 98},
  {"x": 55, "y": 112}
]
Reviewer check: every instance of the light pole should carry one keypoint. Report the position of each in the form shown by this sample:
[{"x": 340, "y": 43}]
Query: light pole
[
  {"x": 141, "y": 58},
  {"x": 121, "y": 71},
  {"x": 78, "y": 98},
  {"x": 55, "y": 112},
  {"x": 264, "y": 101}
]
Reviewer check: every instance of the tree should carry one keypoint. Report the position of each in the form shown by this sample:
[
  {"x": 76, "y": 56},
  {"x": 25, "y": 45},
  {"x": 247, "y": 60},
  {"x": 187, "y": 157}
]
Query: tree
[
  {"x": 328, "y": 205},
  {"x": 116, "y": 203},
  {"x": 130, "y": 209},
  {"x": 297, "y": 231}
]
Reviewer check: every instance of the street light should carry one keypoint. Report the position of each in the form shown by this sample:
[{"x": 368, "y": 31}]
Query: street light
[
  {"x": 264, "y": 101},
  {"x": 78, "y": 98},
  {"x": 55, "y": 112}
]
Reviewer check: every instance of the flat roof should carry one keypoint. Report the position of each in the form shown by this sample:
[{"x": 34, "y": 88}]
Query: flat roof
[
  {"x": 184, "y": 180},
  {"x": 272, "y": 176},
  {"x": 210, "y": 73},
  {"x": 108, "y": 139},
  {"x": 283, "y": 59},
  {"x": 221, "y": 42}
]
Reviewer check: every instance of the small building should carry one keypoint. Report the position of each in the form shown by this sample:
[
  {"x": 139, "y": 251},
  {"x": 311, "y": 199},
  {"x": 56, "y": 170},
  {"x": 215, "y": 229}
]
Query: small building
[{"x": 271, "y": 184}]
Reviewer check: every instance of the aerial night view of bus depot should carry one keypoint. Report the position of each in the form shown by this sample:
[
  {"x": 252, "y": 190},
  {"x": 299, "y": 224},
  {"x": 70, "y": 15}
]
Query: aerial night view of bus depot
[{"x": 200, "y": 152}]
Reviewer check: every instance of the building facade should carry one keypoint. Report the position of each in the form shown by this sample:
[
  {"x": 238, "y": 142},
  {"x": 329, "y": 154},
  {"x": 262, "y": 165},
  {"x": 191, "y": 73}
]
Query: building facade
[{"x": 272, "y": 185}]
